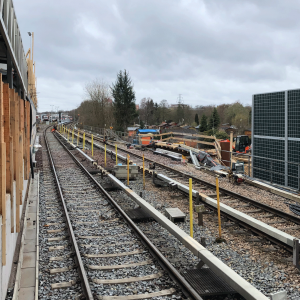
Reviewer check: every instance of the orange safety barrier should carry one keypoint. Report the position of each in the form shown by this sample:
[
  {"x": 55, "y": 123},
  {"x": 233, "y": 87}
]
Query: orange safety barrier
[{"x": 146, "y": 140}]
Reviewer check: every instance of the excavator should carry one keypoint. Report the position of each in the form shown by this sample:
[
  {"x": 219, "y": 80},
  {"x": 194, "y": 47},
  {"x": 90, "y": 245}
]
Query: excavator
[{"x": 242, "y": 144}]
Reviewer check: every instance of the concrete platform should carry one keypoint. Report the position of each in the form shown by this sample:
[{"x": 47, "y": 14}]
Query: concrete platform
[{"x": 26, "y": 284}]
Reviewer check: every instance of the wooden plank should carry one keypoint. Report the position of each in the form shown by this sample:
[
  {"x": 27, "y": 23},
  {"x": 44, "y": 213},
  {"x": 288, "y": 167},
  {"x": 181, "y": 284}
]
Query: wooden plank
[
  {"x": 63, "y": 285},
  {"x": 13, "y": 125},
  {"x": 115, "y": 254},
  {"x": 12, "y": 193},
  {"x": 28, "y": 138},
  {"x": 21, "y": 173},
  {"x": 128, "y": 279},
  {"x": 2, "y": 174},
  {"x": 27, "y": 141},
  {"x": 181, "y": 134},
  {"x": 21, "y": 138},
  {"x": 194, "y": 141},
  {"x": 12, "y": 157},
  {"x": 61, "y": 270},
  {"x": 7, "y": 134},
  {"x": 112, "y": 267},
  {"x": 3, "y": 198},
  {"x": 15, "y": 134},
  {"x": 140, "y": 296},
  {"x": 1, "y": 112}
]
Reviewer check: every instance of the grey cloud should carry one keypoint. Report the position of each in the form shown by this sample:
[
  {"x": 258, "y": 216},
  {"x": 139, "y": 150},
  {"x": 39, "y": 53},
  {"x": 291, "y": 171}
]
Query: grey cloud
[{"x": 211, "y": 51}]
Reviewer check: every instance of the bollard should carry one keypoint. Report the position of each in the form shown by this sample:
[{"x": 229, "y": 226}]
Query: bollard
[
  {"x": 83, "y": 141},
  {"x": 78, "y": 137},
  {"x": 144, "y": 183},
  {"x": 68, "y": 133},
  {"x": 296, "y": 253},
  {"x": 92, "y": 146},
  {"x": 128, "y": 169},
  {"x": 219, "y": 239},
  {"x": 200, "y": 209},
  {"x": 105, "y": 155},
  {"x": 72, "y": 135},
  {"x": 116, "y": 154},
  {"x": 191, "y": 207}
]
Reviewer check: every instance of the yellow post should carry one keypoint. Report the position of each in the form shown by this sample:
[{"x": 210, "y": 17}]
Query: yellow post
[
  {"x": 144, "y": 172},
  {"x": 219, "y": 213},
  {"x": 191, "y": 207},
  {"x": 128, "y": 169},
  {"x": 72, "y": 135},
  {"x": 231, "y": 142},
  {"x": 68, "y": 133},
  {"x": 92, "y": 145},
  {"x": 116, "y": 154},
  {"x": 78, "y": 137},
  {"x": 105, "y": 155},
  {"x": 83, "y": 142}
]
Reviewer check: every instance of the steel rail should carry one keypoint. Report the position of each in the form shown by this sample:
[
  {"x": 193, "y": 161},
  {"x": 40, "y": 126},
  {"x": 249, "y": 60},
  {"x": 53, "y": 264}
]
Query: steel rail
[
  {"x": 165, "y": 264},
  {"x": 84, "y": 280}
]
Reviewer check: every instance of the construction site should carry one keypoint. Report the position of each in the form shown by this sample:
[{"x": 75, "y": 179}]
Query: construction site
[{"x": 163, "y": 211}]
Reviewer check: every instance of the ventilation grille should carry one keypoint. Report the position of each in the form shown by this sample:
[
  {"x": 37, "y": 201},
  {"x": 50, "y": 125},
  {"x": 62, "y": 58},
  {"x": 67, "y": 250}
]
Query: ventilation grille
[{"x": 269, "y": 114}]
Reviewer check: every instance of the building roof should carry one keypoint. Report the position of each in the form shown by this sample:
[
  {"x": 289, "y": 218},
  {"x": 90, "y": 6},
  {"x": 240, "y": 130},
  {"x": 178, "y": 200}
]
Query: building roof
[
  {"x": 132, "y": 128},
  {"x": 147, "y": 131}
]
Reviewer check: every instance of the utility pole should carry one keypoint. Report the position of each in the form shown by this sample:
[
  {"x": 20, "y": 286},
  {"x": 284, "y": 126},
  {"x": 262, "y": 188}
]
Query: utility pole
[
  {"x": 180, "y": 111},
  {"x": 180, "y": 100},
  {"x": 52, "y": 105}
]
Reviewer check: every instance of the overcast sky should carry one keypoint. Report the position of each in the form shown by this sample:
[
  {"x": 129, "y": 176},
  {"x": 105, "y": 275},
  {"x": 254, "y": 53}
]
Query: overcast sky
[{"x": 211, "y": 52}]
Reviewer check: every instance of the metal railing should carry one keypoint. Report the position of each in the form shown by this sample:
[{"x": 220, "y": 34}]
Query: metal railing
[
  {"x": 11, "y": 34},
  {"x": 122, "y": 136}
]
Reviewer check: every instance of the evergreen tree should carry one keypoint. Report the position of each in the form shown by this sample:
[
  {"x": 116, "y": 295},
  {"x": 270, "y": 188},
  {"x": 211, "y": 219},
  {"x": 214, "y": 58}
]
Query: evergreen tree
[
  {"x": 196, "y": 119},
  {"x": 214, "y": 120},
  {"x": 203, "y": 124},
  {"x": 124, "y": 101}
]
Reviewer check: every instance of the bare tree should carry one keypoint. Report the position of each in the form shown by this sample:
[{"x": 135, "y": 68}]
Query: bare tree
[
  {"x": 147, "y": 110},
  {"x": 99, "y": 103}
]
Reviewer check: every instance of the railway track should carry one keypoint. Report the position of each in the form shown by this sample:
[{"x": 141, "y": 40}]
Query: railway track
[
  {"x": 245, "y": 242},
  {"x": 93, "y": 250},
  {"x": 260, "y": 211}
]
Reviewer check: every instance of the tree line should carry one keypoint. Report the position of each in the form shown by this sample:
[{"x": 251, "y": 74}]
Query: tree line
[{"x": 115, "y": 105}]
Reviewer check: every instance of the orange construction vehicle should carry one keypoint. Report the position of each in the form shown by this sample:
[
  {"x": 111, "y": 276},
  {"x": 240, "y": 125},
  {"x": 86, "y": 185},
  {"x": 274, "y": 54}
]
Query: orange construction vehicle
[{"x": 242, "y": 144}]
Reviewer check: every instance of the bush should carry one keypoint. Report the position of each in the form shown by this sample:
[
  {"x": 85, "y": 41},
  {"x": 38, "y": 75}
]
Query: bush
[{"x": 222, "y": 135}]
